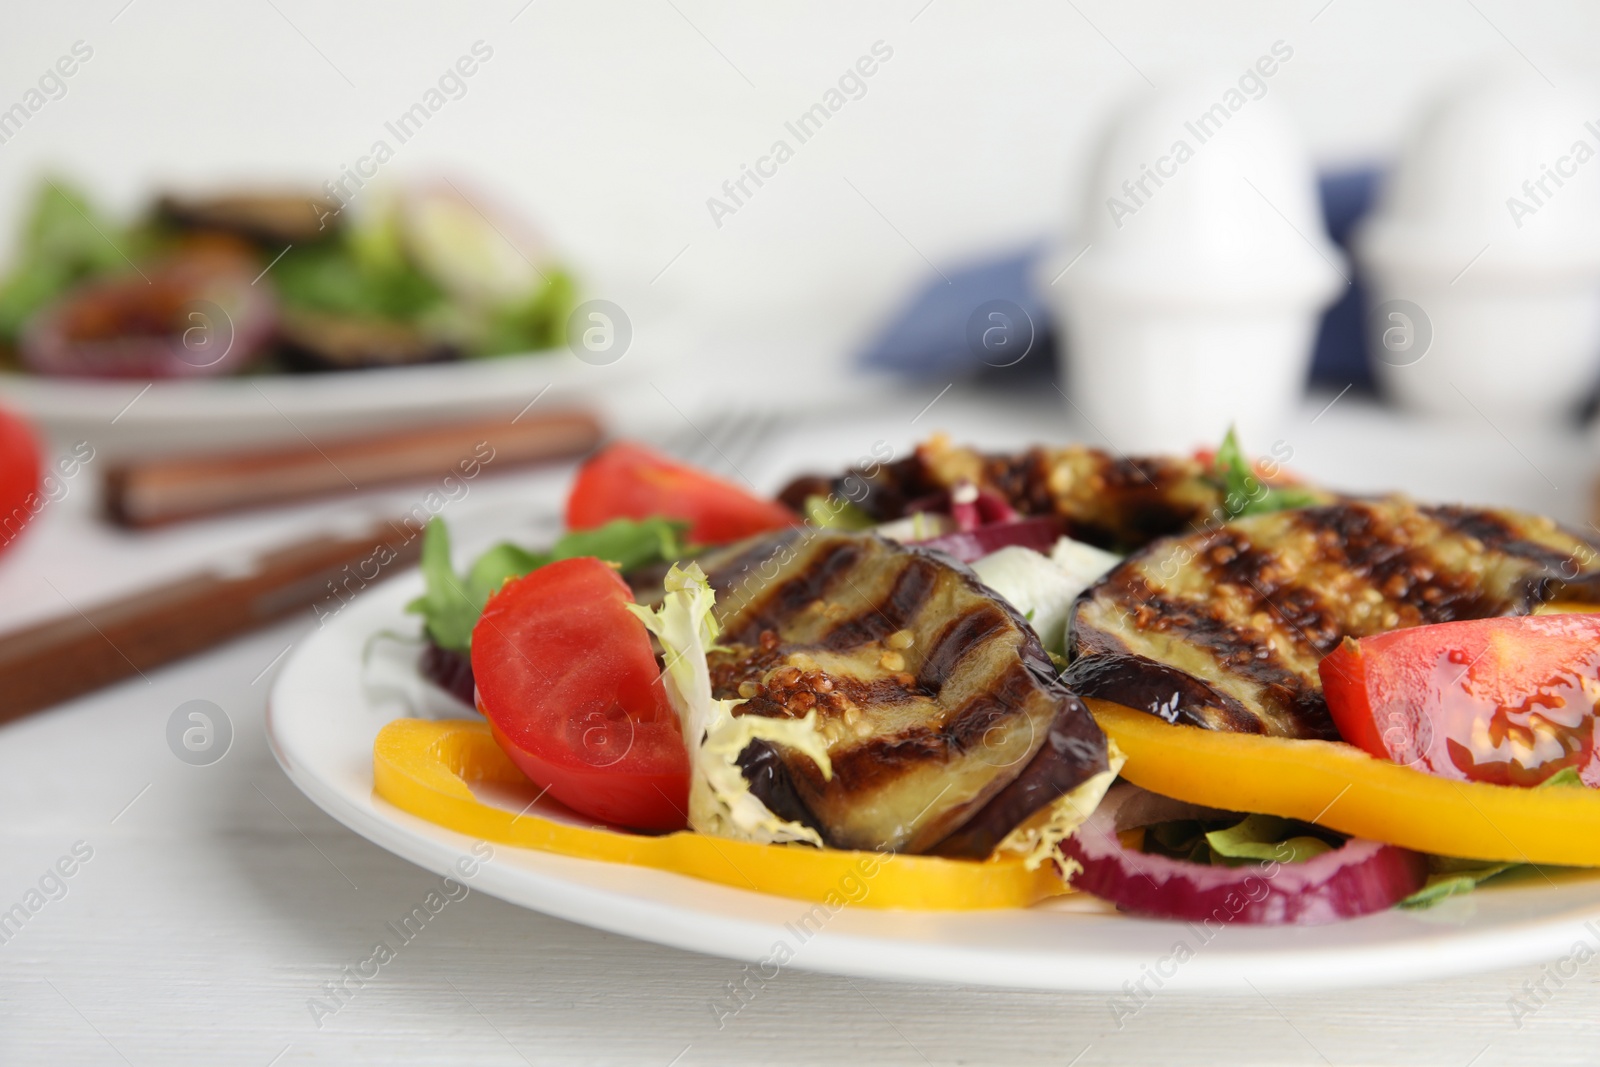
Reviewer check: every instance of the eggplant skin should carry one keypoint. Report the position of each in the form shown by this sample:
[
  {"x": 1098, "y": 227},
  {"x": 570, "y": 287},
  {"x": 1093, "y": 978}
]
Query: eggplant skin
[
  {"x": 269, "y": 219},
  {"x": 1054, "y": 771},
  {"x": 934, "y": 696},
  {"x": 1224, "y": 628}
]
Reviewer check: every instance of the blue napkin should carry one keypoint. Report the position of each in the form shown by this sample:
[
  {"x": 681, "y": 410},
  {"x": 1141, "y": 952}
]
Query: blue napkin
[{"x": 929, "y": 337}]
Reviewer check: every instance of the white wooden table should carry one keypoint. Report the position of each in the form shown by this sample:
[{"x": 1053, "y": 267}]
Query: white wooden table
[{"x": 218, "y": 901}]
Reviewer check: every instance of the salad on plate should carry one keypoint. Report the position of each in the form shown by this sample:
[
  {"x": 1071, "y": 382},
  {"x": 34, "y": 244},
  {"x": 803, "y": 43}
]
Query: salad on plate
[
  {"x": 245, "y": 282},
  {"x": 1192, "y": 686}
]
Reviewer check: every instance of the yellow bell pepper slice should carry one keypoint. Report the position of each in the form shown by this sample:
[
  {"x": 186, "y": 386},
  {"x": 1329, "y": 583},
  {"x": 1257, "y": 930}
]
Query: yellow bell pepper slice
[
  {"x": 1565, "y": 607},
  {"x": 1343, "y": 788},
  {"x": 423, "y": 767}
]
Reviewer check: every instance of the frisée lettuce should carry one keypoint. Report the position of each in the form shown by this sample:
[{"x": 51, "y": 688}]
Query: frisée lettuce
[{"x": 720, "y": 801}]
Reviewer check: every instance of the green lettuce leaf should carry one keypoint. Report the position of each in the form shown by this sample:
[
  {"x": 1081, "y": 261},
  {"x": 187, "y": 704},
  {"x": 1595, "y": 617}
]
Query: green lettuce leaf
[
  {"x": 1230, "y": 842},
  {"x": 451, "y": 603},
  {"x": 1262, "y": 837},
  {"x": 355, "y": 275},
  {"x": 1448, "y": 877},
  {"x": 64, "y": 240},
  {"x": 535, "y": 323}
]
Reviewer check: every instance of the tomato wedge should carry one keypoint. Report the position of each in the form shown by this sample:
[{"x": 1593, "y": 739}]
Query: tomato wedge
[
  {"x": 1509, "y": 701},
  {"x": 19, "y": 477},
  {"x": 629, "y": 481},
  {"x": 572, "y": 691}
]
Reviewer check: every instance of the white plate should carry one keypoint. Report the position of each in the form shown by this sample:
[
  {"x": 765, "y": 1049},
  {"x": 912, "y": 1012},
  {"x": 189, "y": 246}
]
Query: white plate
[
  {"x": 322, "y": 722},
  {"x": 284, "y": 406}
]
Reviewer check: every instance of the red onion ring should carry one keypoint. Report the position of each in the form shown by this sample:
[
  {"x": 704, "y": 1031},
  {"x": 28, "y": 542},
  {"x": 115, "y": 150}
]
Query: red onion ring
[
  {"x": 969, "y": 506},
  {"x": 1359, "y": 878},
  {"x": 1039, "y": 534},
  {"x": 187, "y": 318}
]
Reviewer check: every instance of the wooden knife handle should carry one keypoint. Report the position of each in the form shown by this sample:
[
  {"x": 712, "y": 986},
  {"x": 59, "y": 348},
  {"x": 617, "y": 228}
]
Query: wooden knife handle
[
  {"x": 81, "y": 651},
  {"x": 150, "y": 492}
]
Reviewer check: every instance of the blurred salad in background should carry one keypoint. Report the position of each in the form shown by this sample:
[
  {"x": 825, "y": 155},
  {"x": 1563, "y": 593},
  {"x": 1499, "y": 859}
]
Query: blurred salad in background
[{"x": 275, "y": 282}]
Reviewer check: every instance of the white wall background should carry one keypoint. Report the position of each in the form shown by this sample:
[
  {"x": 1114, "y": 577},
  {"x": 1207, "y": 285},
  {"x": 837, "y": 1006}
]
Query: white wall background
[{"x": 611, "y": 123}]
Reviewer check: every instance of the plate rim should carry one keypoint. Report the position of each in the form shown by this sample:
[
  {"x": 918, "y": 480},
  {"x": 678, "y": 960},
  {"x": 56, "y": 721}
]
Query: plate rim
[{"x": 221, "y": 398}]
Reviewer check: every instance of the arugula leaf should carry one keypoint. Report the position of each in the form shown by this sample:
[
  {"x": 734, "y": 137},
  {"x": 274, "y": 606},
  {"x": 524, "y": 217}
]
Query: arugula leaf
[
  {"x": 1566, "y": 776},
  {"x": 499, "y": 565},
  {"x": 1261, "y": 837},
  {"x": 627, "y": 543},
  {"x": 451, "y": 603},
  {"x": 1232, "y": 469},
  {"x": 448, "y": 609},
  {"x": 1245, "y": 494}
]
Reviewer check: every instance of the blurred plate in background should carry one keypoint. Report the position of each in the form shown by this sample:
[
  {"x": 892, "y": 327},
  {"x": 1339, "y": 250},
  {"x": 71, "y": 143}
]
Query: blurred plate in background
[{"x": 130, "y": 416}]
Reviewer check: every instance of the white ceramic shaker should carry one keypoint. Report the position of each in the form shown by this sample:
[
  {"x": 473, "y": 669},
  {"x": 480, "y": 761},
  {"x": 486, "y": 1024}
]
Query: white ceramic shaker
[
  {"x": 1483, "y": 257},
  {"x": 1191, "y": 297}
]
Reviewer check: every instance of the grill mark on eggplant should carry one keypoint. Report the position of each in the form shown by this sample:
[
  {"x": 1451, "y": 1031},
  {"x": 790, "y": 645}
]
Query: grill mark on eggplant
[
  {"x": 879, "y": 760},
  {"x": 891, "y": 612},
  {"x": 782, "y": 601},
  {"x": 907, "y": 737},
  {"x": 1198, "y": 621},
  {"x": 882, "y": 692},
  {"x": 815, "y": 581},
  {"x": 1405, "y": 573},
  {"x": 968, "y": 726},
  {"x": 964, "y": 730},
  {"x": 1237, "y": 649},
  {"x": 1358, "y": 568},
  {"x": 960, "y": 638},
  {"x": 1496, "y": 535},
  {"x": 1228, "y": 556}
]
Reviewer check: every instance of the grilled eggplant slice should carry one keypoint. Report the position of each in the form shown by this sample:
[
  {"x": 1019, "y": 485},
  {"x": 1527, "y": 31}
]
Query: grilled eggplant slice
[
  {"x": 270, "y": 219},
  {"x": 941, "y": 710},
  {"x": 1110, "y": 501},
  {"x": 1224, "y": 628}
]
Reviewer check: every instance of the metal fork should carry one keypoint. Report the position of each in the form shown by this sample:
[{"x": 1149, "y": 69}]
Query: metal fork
[{"x": 731, "y": 443}]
